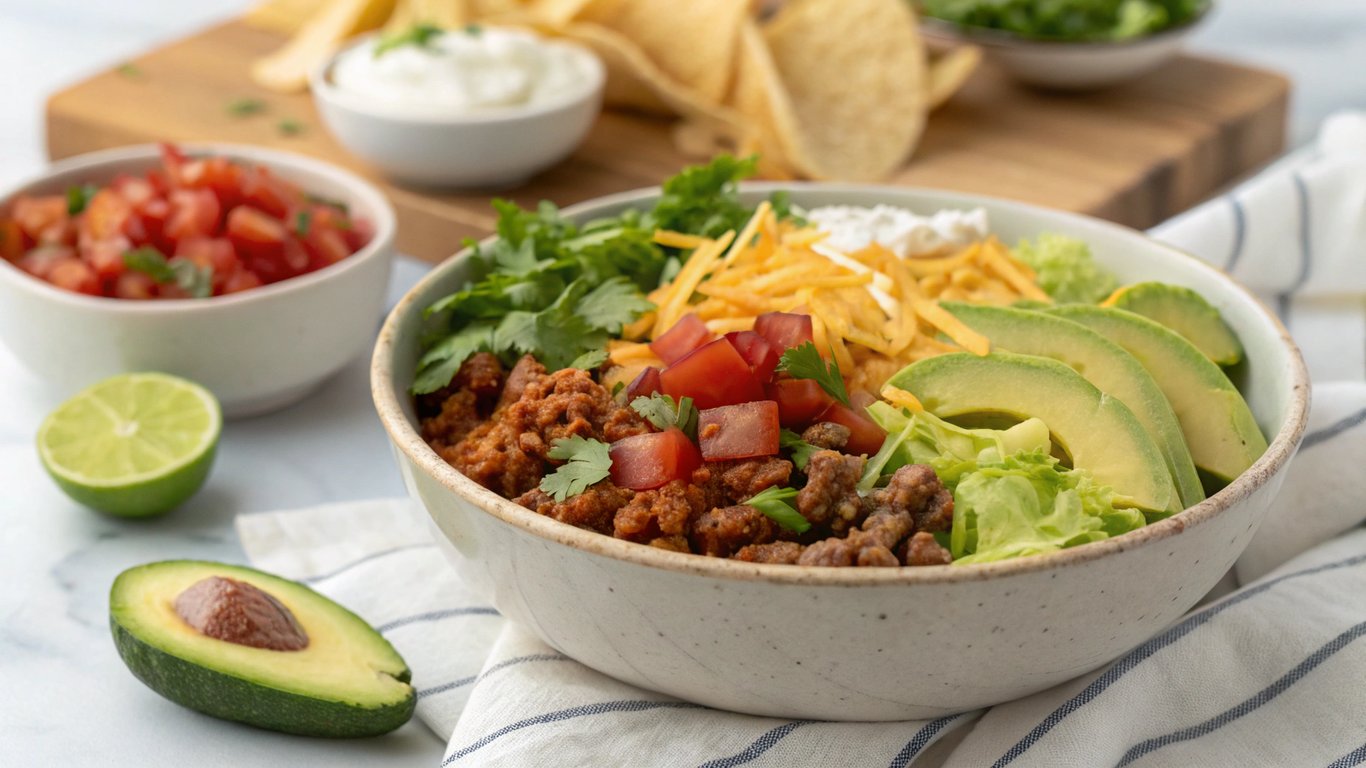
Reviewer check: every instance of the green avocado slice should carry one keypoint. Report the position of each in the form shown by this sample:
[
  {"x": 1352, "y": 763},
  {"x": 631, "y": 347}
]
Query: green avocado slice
[
  {"x": 1184, "y": 311},
  {"x": 1098, "y": 431},
  {"x": 1101, "y": 362},
  {"x": 1220, "y": 429},
  {"x": 347, "y": 681}
]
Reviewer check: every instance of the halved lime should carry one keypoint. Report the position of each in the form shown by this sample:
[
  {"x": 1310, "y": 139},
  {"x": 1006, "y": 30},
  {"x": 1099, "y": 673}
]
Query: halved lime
[{"x": 133, "y": 445}]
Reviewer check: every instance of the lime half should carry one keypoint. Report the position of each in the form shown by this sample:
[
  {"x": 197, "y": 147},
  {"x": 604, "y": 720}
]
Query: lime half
[{"x": 133, "y": 445}]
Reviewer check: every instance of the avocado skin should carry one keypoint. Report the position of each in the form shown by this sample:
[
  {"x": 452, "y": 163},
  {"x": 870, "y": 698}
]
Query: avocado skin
[{"x": 233, "y": 698}]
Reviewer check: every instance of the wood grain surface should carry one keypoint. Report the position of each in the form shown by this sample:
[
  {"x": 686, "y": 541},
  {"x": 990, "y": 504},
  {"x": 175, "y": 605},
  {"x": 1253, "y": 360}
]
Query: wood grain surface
[{"x": 1135, "y": 154}]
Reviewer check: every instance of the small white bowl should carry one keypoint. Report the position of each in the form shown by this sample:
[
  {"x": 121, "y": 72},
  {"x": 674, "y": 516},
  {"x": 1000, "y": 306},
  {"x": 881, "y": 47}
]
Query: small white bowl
[
  {"x": 1069, "y": 66},
  {"x": 491, "y": 148},
  {"x": 256, "y": 351}
]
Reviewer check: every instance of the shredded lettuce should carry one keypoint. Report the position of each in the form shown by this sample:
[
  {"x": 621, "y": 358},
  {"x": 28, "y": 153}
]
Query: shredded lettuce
[
  {"x": 1065, "y": 269},
  {"x": 1011, "y": 498}
]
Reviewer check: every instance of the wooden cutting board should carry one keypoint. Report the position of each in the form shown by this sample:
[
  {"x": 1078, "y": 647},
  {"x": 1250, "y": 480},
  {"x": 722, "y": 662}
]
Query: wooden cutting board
[{"x": 1135, "y": 154}]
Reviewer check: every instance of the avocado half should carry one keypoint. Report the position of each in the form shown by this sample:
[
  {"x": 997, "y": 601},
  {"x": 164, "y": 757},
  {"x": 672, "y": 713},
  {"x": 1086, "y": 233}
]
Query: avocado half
[{"x": 346, "y": 681}]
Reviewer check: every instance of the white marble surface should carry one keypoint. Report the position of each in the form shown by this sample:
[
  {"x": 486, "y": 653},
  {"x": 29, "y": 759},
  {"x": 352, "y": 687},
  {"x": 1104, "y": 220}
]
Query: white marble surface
[{"x": 67, "y": 698}]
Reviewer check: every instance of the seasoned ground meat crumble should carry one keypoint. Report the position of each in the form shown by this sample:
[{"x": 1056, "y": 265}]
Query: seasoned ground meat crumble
[{"x": 496, "y": 427}]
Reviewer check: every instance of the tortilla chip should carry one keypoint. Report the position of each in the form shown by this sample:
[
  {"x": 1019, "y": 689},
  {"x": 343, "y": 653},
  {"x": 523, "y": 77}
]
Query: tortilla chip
[
  {"x": 285, "y": 16},
  {"x": 692, "y": 42},
  {"x": 287, "y": 68},
  {"x": 554, "y": 13},
  {"x": 447, "y": 14},
  {"x": 950, "y": 71},
  {"x": 855, "y": 74},
  {"x": 762, "y": 100}
]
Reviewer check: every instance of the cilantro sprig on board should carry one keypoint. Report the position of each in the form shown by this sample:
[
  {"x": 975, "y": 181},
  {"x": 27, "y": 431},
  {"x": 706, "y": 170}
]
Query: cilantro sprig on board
[{"x": 559, "y": 290}]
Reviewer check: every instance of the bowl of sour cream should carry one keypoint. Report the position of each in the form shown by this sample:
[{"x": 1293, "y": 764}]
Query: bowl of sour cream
[{"x": 468, "y": 108}]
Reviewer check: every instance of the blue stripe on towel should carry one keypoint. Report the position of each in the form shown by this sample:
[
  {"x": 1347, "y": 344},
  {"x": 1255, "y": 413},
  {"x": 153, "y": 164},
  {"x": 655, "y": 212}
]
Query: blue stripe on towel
[
  {"x": 1239, "y": 232},
  {"x": 363, "y": 560},
  {"x": 1306, "y": 248},
  {"x": 422, "y": 618},
  {"x": 500, "y": 665},
  {"x": 1138, "y": 655},
  {"x": 1250, "y": 705},
  {"x": 568, "y": 714},
  {"x": 918, "y": 742},
  {"x": 1351, "y": 759},
  {"x": 760, "y": 746},
  {"x": 1333, "y": 430}
]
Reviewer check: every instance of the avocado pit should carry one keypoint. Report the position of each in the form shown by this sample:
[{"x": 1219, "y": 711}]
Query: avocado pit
[{"x": 237, "y": 612}]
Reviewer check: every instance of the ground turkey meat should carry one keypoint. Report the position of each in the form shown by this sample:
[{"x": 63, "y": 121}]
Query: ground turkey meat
[
  {"x": 915, "y": 488},
  {"x": 723, "y": 531},
  {"x": 780, "y": 552},
  {"x": 922, "y": 549},
  {"x": 525, "y": 371},
  {"x": 830, "y": 497},
  {"x": 662, "y": 517},
  {"x": 454, "y": 411},
  {"x": 872, "y": 545},
  {"x": 827, "y": 434},
  {"x": 491, "y": 455},
  {"x": 594, "y": 509}
]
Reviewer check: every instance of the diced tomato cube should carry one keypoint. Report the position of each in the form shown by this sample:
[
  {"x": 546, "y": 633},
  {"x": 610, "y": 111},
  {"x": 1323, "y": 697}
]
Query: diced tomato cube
[
  {"x": 194, "y": 213},
  {"x": 756, "y": 350},
  {"x": 687, "y": 334},
  {"x": 358, "y": 233},
  {"x": 74, "y": 275},
  {"x": 860, "y": 399},
  {"x": 215, "y": 253},
  {"x": 106, "y": 256},
  {"x": 865, "y": 436},
  {"x": 652, "y": 460},
  {"x": 800, "y": 401},
  {"x": 39, "y": 261},
  {"x": 241, "y": 280},
  {"x": 643, "y": 385},
  {"x": 135, "y": 285},
  {"x": 784, "y": 330},
  {"x": 173, "y": 162},
  {"x": 251, "y": 228},
  {"x": 216, "y": 174},
  {"x": 738, "y": 431},
  {"x": 105, "y": 216},
  {"x": 137, "y": 191},
  {"x": 11, "y": 240},
  {"x": 326, "y": 246},
  {"x": 712, "y": 375},
  {"x": 260, "y": 188},
  {"x": 44, "y": 219}
]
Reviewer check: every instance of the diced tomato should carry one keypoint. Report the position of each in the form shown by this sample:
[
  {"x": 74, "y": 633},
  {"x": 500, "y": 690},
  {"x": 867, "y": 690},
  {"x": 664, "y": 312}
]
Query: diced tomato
[
  {"x": 358, "y": 233},
  {"x": 74, "y": 275},
  {"x": 756, "y": 350},
  {"x": 712, "y": 375},
  {"x": 687, "y": 334},
  {"x": 784, "y": 330},
  {"x": 215, "y": 253},
  {"x": 173, "y": 161},
  {"x": 216, "y": 174},
  {"x": 106, "y": 256},
  {"x": 644, "y": 385},
  {"x": 649, "y": 461},
  {"x": 260, "y": 188},
  {"x": 241, "y": 280},
  {"x": 105, "y": 216},
  {"x": 43, "y": 219},
  {"x": 325, "y": 246},
  {"x": 135, "y": 285},
  {"x": 738, "y": 431},
  {"x": 860, "y": 399},
  {"x": 194, "y": 213},
  {"x": 138, "y": 192},
  {"x": 11, "y": 240},
  {"x": 800, "y": 401},
  {"x": 865, "y": 436},
  {"x": 254, "y": 230},
  {"x": 39, "y": 261}
]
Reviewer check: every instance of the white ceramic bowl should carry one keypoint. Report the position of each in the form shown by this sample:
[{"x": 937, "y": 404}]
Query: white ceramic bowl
[
  {"x": 256, "y": 351},
  {"x": 1072, "y": 66},
  {"x": 854, "y": 643},
  {"x": 493, "y": 148}
]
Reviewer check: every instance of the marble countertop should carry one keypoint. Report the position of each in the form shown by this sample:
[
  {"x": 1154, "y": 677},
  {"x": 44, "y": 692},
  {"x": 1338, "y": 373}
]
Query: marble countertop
[{"x": 68, "y": 698}]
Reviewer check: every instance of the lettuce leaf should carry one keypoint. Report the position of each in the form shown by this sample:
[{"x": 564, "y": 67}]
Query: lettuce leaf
[{"x": 1065, "y": 269}]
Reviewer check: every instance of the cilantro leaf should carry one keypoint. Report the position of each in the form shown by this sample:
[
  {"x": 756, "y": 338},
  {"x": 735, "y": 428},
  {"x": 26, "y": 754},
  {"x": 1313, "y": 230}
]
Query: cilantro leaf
[
  {"x": 799, "y": 449},
  {"x": 195, "y": 280},
  {"x": 612, "y": 305},
  {"x": 246, "y": 107},
  {"x": 441, "y": 362},
  {"x": 149, "y": 261},
  {"x": 418, "y": 36},
  {"x": 303, "y": 222},
  {"x": 78, "y": 197},
  {"x": 773, "y": 503},
  {"x": 660, "y": 410},
  {"x": 804, "y": 362},
  {"x": 704, "y": 199},
  {"x": 590, "y": 360},
  {"x": 587, "y": 462}
]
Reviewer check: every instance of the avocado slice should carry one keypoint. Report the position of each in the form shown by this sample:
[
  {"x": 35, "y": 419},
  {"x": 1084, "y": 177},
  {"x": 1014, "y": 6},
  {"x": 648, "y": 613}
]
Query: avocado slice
[
  {"x": 1101, "y": 362},
  {"x": 1223, "y": 435},
  {"x": 1098, "y": 431},
  {"x": 308, "y": 667},
  {"x": 1184, "y": 311}
]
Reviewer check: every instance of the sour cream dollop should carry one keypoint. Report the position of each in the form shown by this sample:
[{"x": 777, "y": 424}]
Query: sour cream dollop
[
  {"x": 908, "y": 235},
  {"x": 464, "y": 72}
]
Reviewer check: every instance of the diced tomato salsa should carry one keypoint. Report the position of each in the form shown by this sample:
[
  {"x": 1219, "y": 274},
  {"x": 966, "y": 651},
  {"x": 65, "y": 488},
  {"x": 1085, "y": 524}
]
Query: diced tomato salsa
[{"x": 195, "y": 227}]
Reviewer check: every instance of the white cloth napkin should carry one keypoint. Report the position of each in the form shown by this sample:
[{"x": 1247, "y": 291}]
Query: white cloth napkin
[{"x": 1269, "y": 675}]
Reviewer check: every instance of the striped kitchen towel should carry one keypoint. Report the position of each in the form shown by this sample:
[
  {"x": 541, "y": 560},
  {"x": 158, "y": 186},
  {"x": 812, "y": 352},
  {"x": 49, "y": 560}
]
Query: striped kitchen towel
[{"x": 1269, "y": 675}]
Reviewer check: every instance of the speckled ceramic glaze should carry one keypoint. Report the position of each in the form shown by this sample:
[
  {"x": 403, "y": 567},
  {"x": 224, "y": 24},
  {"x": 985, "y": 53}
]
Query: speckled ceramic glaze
[
  {"x": 855, "y": 643},
  {"x": 257, "y": 351}
]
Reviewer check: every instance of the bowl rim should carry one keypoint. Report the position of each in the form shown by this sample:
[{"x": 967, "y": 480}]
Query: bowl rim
[
  {"x": 323, "y": 89},
  {"x": 990, "y": 37},
  {"x": 379, "y": 210},
  {"x": 409, "y": 442}
]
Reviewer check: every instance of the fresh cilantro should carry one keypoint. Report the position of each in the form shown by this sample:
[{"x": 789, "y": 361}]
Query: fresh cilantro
[
  {"x": 587, "y": 462},
  {"x": 129, "y": 70},
  {"x": 442, "y": 360},
  {"x": 246, "y": 107},
  {"x": 417, "y": 36},
  {"x": 195, "y": 280},
  {"x": 590, "y": 360},
  {"x": 804, "y": 362},
  {"x": 661, "y": 410},
  {"x": 617, "y": 388},
  {"x": 289, "y": 127},
  {"x": 773, "y": 503},
  {"x": 613, "y": 304},
  {"x": 799, "y": 449},
  {"x": 303, "y": 221},
  {"x": 474, "y": 30},
  {"x": 343, "y": 208},
  {"x": 703, "y": 200},
  {"x": 78, "y": 197}
]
